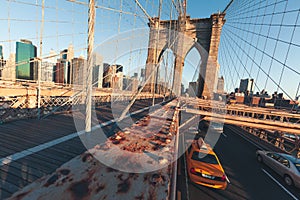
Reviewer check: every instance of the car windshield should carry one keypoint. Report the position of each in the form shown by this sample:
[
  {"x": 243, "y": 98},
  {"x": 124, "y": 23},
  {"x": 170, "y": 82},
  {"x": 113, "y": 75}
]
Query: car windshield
[
  {"x": 202, "y": 157},
  {"x": 297, "y": 166}
]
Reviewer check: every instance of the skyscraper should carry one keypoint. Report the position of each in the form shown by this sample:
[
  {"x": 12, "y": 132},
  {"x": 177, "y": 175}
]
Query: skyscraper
[
  {"x": 26, "y": 67},
  {"x": 2, "y": 62},
  {"x": 220, "y": 85},
  {"x": 63, "y": 70},
  {"x": 247, "y": 85},
  {"x": 97, "y": 70},
  {"x": 77, "y": 66},
  {"x": 9, "y": 70},
  {"x": 1, "y": 52}
]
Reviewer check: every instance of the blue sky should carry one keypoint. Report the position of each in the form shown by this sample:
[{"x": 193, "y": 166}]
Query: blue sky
[{"x": 66, "y": 23}]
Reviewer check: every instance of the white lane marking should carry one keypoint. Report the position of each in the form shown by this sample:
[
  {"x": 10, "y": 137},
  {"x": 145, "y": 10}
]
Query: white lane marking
[
  {"x": 224, "y": 134},
  {"x": 227, "y": 179},
  {"x": 185, "y": 171},
  {"x": 286, "y": 190},
  {"x": 8, "y": 159}
]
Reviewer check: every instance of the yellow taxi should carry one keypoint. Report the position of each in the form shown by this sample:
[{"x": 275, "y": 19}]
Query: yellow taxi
[{"x": 204, "y": 167}]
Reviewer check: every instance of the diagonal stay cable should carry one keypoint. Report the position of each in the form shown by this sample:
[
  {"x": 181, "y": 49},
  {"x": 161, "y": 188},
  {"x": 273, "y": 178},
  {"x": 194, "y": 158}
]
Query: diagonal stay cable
[
  {"x": 259, "y": 66},
  {"x": 241, "y": 62},
  {"x": 262, "y": 15},
  {"x": 290, "y": 68},
  {"x": 276, "y": 44}
]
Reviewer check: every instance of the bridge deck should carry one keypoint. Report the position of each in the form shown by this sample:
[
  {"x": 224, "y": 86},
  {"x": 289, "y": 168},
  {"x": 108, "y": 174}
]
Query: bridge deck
[
  {"x": 22, "y": 161},
  {"x": 92, "y": 177}
]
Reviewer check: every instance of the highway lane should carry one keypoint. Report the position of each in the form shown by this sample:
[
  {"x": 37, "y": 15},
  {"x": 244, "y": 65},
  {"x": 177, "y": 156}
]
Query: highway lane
[{"x": 248, "y": 178}]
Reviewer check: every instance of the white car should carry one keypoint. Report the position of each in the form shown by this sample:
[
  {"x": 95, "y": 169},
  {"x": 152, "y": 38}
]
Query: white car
[{"x": 285, "y": 165}]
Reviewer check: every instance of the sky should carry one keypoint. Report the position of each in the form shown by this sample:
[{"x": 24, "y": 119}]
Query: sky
[{"x": 66, "y": 23}]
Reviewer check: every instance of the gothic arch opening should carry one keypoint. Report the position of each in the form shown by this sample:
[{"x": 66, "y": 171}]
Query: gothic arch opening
[
  {"x": 191, "y": 71},
  {"x": 164, "y": 74}
]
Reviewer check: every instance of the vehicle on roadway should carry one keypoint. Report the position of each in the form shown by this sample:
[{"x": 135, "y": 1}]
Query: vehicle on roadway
[
  {"x": 285, "y": 165},
  {"x": 204, "y": 167}
]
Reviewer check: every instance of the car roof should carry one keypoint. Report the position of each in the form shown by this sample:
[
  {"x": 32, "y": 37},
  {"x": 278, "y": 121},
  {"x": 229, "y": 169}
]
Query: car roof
[
  {"x": 200, "y": 146},
  {"x": 290, "y": 157}
]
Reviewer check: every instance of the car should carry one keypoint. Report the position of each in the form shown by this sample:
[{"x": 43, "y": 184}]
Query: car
[
  {"x": 287, "y": 166},
  {"x": 204, "y": 167}
]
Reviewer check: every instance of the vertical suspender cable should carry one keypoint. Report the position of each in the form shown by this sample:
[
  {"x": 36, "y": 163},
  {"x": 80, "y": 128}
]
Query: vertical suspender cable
[
  {"x": 40, "y": 60},
  {"x": 154, "y": 87},
  {"x": 89, "y": 71}
]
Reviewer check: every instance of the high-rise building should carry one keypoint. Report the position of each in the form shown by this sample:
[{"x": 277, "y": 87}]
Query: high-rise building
[
  {"x": 77, "y": 66},
  {"x": 108, "y": 75},
  {"x": 220, "y": 85},
  {"x": 47, "y": 71},
  {"x": 58, "y": 72},
  {"x": 9, "y": 69},
  {"x": 70, "y": 53},
  {"x": 117, "y": 81},
  {"x": 63, "y": 72},
  {"x": 26, "y": 66},
  {"x": 97, "y": 70},
  {"x": 143, "y": 72},
  {"x": 2, "y": 62},
  {"x": 182, "y": 89},
  {"x": 247, "y": 85},
  {"x": 113, "y": 76},
  {"x": 1, "y": 52},
  {"x": 192, "y": 89},
  {"x": 130, "y": 84}
]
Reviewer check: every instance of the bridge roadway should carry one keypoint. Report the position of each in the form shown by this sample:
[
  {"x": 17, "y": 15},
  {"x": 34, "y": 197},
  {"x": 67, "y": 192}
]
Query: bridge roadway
[
  {"x": 21, "y": 135},
  {"x": 243, "y": 115},
  {"x": 248, "y": 178}
]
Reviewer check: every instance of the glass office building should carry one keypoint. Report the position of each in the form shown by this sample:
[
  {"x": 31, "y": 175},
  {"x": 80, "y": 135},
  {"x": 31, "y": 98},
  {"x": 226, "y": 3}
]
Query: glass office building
[
  {"x": 1, "y": 52},
  {"x": 25, "y": 54}
]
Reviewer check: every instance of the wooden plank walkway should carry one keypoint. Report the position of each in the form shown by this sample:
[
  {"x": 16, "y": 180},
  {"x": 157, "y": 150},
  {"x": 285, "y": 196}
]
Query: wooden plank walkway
[{"x": 21, "y": 135}]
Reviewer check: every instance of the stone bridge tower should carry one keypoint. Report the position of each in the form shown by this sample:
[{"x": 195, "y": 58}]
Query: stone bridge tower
[{"x": 181, "y": 36}]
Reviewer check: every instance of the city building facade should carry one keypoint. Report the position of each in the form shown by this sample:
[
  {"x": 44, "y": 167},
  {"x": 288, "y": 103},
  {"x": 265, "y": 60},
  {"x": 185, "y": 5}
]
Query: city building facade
[{"x": 26, "y": 65}]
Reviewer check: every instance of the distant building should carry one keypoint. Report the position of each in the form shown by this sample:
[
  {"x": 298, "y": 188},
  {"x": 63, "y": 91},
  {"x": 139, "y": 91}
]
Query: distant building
[
  {"x": 143, "y": 71},
  {"x": 97, "y": 71},
  {"x": 77, "y": 66},
  {"x": 130, "y": 83},
  {"x": 182, "y": 89},
  {"x": 1, "y": 52},
  {"x": 192, "y": 89},
  {"x": 2, "y": 61},
  {"x": 135, "y": 84},
  {"x": 117, "y": 81},
  {"x": 9, "y": 69},
  {"x": 58, "y": 72},
  {"x": 107, "y": 76},
  {"x": 113, "y": 76},
  {"x": 220, "y": 85},
  {"x": 119, "y": 68},
  {"x": 247, "y": 85},
  {"x": 63, "y": 71},
  {"x": 70, "y": 53},
  {"x": 47, "y": 71},
  {"x": 105, "y": 69},
  {"x": 26, "y": 67}
]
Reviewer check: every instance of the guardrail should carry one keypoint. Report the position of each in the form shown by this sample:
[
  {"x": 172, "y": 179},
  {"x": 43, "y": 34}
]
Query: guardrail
[{"x": 25, "y": 106}]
